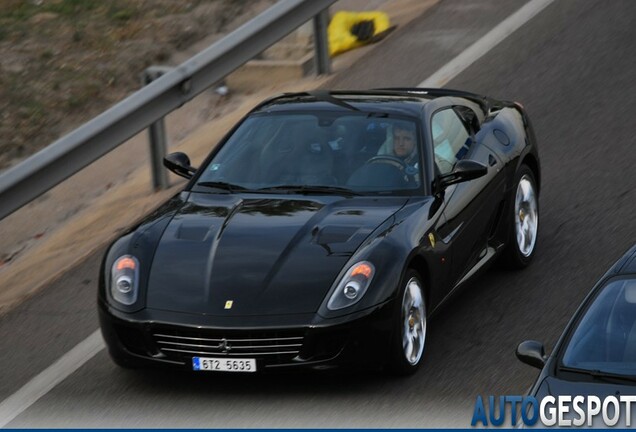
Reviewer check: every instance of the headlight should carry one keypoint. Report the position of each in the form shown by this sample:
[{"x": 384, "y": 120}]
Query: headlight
[
  {"x": 352, "y": 286},
  {"x": 124, "y": 280}
]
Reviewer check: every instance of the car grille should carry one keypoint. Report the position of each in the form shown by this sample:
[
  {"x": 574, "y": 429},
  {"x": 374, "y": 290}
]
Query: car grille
[{"x": 184, "y": 343}]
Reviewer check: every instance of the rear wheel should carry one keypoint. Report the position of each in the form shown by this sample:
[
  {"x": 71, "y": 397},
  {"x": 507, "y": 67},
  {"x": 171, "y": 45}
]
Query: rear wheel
[
  {"x": 524, "y": 220},
  {"x": 409, "y": 334}
]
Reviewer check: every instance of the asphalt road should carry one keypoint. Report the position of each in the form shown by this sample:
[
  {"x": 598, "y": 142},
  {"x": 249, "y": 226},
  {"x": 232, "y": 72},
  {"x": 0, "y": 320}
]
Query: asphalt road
[{"x": 573, "y": 67}]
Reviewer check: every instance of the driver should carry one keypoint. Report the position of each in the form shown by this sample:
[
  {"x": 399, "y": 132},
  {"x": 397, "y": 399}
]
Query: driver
[
  {"x": 405, "y": 148},
  {"x": 404, "y": 143}
]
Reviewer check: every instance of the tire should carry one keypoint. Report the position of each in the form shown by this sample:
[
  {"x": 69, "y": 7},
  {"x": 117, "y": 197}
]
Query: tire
[
  {"x": 409, "y": 327},
  {"x": 523, "y": 221}
]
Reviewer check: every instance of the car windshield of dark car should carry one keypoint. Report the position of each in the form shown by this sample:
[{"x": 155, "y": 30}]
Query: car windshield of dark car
[
  {"x": 605, "y": 338},
  {"x": 358, "y": 152}
]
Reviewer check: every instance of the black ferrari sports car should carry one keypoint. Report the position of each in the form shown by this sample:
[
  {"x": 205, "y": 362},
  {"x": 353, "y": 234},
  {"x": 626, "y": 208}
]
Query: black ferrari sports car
[
  {"x": 596, "y": 354},
  {"x": 324, "y": 230}
]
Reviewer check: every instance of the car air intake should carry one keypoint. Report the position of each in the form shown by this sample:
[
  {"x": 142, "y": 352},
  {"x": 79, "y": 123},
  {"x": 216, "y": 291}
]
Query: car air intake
[{"x": 271, "y": 346}]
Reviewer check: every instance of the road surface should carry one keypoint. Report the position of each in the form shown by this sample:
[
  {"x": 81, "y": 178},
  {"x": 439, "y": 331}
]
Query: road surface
[{"x": 573, "y": 67}]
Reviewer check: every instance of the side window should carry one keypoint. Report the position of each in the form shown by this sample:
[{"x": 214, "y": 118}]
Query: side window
[
  {"x": 469, "y": 117},
  {"x": 450, "y": 139}
]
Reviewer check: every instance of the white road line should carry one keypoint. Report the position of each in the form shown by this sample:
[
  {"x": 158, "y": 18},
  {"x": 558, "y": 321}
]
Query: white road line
[
  {"x": 40, "y": 385},
  {"x": 46, "y": 380},
  {"x": 456, "y": 66}
]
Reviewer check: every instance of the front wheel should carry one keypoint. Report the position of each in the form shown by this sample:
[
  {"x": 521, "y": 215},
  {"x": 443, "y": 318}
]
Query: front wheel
[
  {"x": 409, "y": 335},
  {"x": 524, "y": 221}
]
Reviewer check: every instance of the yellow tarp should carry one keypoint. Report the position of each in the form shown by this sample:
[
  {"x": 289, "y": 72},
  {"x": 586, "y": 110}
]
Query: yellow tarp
[{"x": 339, "y": 31}]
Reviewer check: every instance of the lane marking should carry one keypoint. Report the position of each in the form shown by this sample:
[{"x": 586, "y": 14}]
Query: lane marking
[
  {"x": 471, "y": 54},
  {"x": 46, "y": 380},
  {"x": 41, "y": 384}
]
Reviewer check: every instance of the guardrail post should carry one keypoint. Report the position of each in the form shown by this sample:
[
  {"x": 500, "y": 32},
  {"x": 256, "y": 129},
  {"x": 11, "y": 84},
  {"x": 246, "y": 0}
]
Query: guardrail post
[
  {"x": 321, "y": 45},
  {"x": 157, "y": 135}
]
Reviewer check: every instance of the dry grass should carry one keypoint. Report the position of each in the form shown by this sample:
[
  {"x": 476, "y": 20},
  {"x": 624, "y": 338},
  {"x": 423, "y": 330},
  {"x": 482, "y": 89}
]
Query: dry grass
[{"x": 64, "y": 61}]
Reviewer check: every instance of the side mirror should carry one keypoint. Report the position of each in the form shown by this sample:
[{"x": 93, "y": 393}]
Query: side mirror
[
  {"x": 464, "y": 170},
  {"x": 179, "y": 163},
  {"x": 532, "y": 353}
]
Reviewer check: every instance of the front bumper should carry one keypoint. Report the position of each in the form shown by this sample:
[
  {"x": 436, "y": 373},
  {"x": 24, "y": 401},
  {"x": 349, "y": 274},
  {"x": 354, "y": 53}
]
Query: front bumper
[{"x": 152, "y": 337}]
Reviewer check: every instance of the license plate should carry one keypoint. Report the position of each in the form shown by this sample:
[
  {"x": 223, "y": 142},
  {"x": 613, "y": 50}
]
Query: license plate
[{"x": 223, "y": 364}]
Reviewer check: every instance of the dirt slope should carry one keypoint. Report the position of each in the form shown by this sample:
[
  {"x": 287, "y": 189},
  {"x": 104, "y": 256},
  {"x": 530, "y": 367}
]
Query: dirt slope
[{"x": 64, "y": 61}]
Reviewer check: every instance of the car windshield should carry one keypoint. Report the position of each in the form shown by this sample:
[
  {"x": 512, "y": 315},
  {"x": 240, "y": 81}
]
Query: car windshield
[
  {"x": 605, "y": 338},
  {"x": 326, "y": 151}
]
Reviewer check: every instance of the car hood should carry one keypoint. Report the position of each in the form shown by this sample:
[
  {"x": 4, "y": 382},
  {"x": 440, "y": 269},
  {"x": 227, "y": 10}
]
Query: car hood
[{"x": 254, "y": 255}]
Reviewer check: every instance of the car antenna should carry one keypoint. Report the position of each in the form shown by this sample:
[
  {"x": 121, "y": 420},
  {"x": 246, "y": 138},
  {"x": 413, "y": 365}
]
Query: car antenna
[{"x": 327, "y": 97}]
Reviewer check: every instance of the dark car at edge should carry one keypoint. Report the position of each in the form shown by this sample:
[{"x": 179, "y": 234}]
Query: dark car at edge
[
  {"x": 323, "y": 231},
  {"x": 596, "y": 354}
]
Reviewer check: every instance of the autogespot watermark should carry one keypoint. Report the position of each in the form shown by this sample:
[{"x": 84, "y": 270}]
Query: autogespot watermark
[{"x": 562, "y": 411}]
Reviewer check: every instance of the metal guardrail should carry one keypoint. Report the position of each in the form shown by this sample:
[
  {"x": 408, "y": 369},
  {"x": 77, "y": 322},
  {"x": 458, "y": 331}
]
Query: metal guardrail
[{"x": 29, "y": 179}]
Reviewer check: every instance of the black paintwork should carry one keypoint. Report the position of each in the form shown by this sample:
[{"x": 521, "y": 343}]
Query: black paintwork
[
  {"x": 552, "y": 381},
  {"x": 279, "y": 256}
]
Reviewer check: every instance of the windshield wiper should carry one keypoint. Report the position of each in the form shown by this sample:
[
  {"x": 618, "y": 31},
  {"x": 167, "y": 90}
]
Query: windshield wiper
[
  {"x": 599, "y": 374},
  {"x": 222, "y": 185},
  {"x": 311, "y": 189}
]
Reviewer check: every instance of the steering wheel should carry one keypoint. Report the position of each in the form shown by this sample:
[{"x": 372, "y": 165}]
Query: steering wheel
[
  {"x": 388, "y": 159},
  {"x": 392, "y": 174}
]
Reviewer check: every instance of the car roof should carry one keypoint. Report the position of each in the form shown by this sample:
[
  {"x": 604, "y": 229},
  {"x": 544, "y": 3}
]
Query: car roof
[
  {"x": 396, "y": 101},
  {"x": 367, "y": 103},
  {"x": 628, "y": 261},
  {"x": 626, "y": 264}
]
